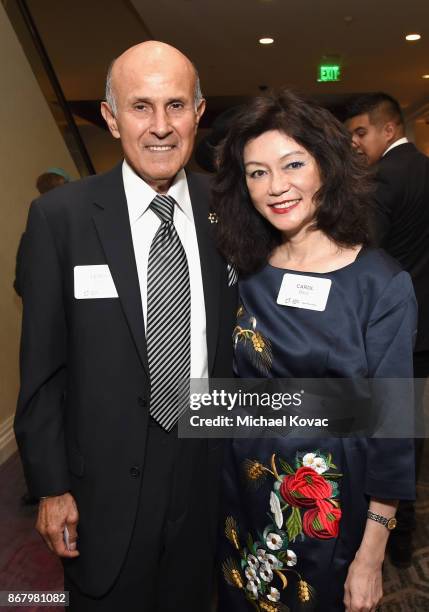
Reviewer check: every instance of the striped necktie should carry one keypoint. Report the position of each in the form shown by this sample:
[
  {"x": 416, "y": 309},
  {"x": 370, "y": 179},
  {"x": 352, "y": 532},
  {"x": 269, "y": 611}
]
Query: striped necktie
[{"x": 168, "y": 318}]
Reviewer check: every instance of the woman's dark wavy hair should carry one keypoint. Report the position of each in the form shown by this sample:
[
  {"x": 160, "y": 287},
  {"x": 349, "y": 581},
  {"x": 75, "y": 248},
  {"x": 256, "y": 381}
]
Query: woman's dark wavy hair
[{"x": 343, "y": 202}]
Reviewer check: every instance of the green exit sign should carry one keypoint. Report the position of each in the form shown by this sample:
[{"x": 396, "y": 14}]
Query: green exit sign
[{"x": 329, "y": 73}]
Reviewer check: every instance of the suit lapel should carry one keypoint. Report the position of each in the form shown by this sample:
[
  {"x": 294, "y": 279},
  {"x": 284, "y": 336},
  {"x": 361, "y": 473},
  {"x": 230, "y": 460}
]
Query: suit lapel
[
  {"x": 399, "y": 150},
  {"x": 209, "y": 259},
  {"x": 113, "y": 227}
]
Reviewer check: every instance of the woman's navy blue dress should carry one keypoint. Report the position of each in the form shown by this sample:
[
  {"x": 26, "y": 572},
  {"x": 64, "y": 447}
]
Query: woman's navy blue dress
[{"x": 289, "y": 546}]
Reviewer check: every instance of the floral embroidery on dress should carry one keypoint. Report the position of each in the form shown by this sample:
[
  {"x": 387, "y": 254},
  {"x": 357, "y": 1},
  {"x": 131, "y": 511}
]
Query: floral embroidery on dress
[
  {"x": 303, "y": 502},
  {"x": 257, "y": 345}
]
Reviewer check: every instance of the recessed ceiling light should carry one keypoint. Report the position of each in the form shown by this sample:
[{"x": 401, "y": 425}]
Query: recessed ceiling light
[
  {"x": 425, "y": 76},
  {"x": 266, "y": 40},
  {"x": 413, "y": 37}
]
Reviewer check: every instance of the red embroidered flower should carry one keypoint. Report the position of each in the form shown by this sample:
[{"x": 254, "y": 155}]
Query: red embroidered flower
[
  {"x": 304, "y": 488},
  {"x": 323, "y": 521}
]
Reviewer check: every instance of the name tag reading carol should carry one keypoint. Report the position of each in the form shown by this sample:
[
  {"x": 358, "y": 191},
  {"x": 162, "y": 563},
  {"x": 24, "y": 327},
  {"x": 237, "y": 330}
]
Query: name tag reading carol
[{"x": 309, "y": 292}]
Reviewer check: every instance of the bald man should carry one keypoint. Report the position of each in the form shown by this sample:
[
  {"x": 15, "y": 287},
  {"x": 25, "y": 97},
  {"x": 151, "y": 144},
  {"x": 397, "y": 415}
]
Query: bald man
[{"x": 124, "y": 294}]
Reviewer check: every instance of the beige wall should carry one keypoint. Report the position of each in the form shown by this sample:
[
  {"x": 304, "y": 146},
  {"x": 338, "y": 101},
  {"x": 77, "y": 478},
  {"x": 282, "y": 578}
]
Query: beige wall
[
  {"x": 30, "y": 142},
  {"x": 421, "y": 134}
]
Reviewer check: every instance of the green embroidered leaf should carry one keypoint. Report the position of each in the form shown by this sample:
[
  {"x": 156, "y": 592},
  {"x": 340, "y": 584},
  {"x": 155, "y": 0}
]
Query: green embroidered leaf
[
  {"x": 250, "y": 544},
  {"x": 334, "y": 486},
  {"x": 317, "y": 524},
  {"x": 294, "y": 524},
  {"x": 296, "y": 494},
  {"x": 286, "y": 467}
]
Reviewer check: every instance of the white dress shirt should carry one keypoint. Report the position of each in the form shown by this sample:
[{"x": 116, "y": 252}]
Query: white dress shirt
[
  {"x": 144, "y": 225},
  {"x": 395, "y": 144}
]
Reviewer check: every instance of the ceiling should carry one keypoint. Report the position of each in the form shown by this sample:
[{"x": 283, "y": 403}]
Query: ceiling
[{"x": 221, "y": 37}]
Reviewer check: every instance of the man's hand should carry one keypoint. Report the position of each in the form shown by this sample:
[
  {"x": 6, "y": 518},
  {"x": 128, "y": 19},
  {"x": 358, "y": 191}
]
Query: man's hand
[
  {"x": 55, "y": 513},
  {"x": 363, "y": 587}
]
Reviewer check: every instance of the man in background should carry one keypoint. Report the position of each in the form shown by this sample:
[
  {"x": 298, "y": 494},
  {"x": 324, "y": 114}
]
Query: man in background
[
  {"x": 401, "y": 227},
  {"x": 52, "y": 178}
]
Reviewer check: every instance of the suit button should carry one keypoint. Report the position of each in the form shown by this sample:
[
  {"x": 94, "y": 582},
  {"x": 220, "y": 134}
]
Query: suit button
[
  {"x": 134, "y": 472},
  {"x": 142, "y": 402}
]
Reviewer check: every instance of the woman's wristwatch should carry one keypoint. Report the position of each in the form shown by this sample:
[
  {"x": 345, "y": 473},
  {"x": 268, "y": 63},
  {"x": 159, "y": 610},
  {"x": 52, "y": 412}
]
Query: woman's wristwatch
[{"x": 390, "y": 523}]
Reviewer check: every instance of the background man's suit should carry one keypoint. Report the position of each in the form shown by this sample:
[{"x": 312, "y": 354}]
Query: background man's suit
[
  {"x": 83, "y": 411},
  {"x": 402, "y": 229},
  {"x": 402, "y": 222}
]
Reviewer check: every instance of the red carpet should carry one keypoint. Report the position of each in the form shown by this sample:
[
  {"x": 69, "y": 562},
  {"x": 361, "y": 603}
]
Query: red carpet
[{"x": 25, "y": 561}]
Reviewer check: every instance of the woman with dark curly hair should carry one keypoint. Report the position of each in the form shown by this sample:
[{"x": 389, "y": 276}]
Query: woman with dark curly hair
[{"x": 292, "y": 201}]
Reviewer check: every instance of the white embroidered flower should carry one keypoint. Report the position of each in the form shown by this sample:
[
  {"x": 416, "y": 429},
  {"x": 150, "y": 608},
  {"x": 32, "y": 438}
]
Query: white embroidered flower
[
  {"x": 276, "y": 509},
  {"x": 253, "y": 561},
  {"x": 266, "y": 573},
  {"x": 318, "y": 464},
  {"x": 291, "y": 558},
  {"x": 252, "y": 588},
  {"x": 255, "y": 580},
  {"x": 261, "y": 554},
  {"x": 274, "y": 541},
  {"x": 273, "y": 595},
  {"x": 252, "y": 321},
  {"x": 308, "y": 459},
  {"x": 272, "y": 561},
  {"x": 250, "y": 573}
]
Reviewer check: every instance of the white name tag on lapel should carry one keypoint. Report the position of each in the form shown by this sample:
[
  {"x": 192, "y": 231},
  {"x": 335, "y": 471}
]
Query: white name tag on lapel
[
  {"x": 93, "y": 282},
  {"x": 309, "y": 292}
]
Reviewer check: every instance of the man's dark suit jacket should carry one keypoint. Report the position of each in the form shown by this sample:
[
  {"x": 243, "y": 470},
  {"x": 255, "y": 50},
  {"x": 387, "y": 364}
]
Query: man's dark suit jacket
[
  {"x": 402, "y": 221},
  {"x": 83, "y": 407}
]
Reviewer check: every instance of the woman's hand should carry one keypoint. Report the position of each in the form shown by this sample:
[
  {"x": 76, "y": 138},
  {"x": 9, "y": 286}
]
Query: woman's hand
[{"x": 363, "y": 588}]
